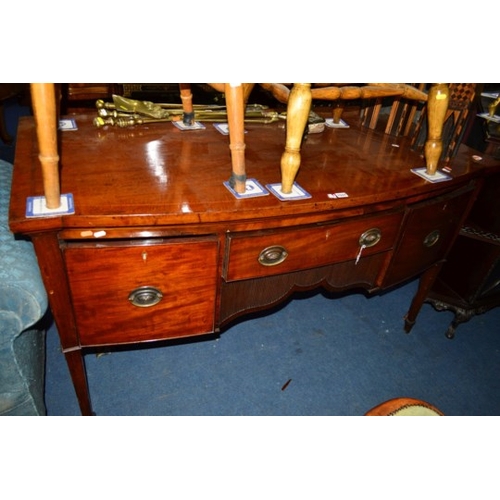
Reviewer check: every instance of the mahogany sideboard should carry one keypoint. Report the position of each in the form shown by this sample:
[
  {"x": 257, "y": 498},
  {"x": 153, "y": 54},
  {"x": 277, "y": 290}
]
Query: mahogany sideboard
[{"x": 159, "y": 248}]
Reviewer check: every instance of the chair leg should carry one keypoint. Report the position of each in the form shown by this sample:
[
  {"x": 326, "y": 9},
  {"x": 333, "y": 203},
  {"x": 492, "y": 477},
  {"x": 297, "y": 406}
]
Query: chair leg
[
  {"x": 235, "y": 103},
  {"x": 437, "y": 105},
  {"x": 299, "y": 105},
  {"x": 187, "y": 103}
]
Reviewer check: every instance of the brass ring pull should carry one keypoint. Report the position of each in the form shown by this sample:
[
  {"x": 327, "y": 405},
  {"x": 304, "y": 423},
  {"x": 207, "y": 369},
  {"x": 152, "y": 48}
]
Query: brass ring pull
[
  {"x": 145, "y": 296},
  {"x": 273, "y": 255},
  {"x": 370, "y": 238},
  {"x": 432, "y": 238}
]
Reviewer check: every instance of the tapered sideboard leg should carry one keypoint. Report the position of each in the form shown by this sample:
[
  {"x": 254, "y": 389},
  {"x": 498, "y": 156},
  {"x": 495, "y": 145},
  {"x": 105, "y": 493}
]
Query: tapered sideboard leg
[
  {"x": 52, "y": 267},
  {"x": 425, "y": 284},
  {"x": 76, "y": 365}
]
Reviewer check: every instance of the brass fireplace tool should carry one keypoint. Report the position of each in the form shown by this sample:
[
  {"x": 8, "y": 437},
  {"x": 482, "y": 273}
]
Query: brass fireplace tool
[{"x": 124, "y": 112}]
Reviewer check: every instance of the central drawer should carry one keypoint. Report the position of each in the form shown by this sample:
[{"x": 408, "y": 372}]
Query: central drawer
[
  {"x": 135, "y": 291},
  {"x": 254, "y": 255}
]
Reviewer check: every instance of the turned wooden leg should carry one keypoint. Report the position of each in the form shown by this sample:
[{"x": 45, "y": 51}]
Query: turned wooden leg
[
  {"x": 236, "y": 120},
  {"x": 187, "y": 103},
  {"x": 299, "y": 105},
  {"x": 437, "y": 106},
  {"x": 425, "y": 284},
  {"x": 44, "y": 110},
  {"x": 337, "y": 113}
]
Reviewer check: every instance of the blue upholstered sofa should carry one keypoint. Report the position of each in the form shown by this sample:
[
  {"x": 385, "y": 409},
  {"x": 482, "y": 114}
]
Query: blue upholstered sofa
[{"x": 23, "y": 305}]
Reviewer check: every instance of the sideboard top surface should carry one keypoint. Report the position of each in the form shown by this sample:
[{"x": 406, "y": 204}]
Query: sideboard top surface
[{"x": 156, "y": 174}]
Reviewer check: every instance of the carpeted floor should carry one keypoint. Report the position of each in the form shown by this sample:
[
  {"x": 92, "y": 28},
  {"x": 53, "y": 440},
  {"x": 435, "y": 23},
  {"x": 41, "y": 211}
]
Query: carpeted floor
[{"x": 339, "y": 356}]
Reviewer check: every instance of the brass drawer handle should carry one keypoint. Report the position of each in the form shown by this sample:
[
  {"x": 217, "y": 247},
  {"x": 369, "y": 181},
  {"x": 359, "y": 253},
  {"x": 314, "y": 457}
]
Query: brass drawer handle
[
  {"x": 145, "y": 296},
  {"x": 432, "y": 238},
  {"x": 370, "y": 238},
  {"x": 273, "y": 255}
]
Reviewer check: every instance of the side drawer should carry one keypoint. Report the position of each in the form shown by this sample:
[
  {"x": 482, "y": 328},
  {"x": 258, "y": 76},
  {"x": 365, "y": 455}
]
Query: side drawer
[
  {"x": 136, "y": 291},
  {"x": 256, "y": 255},
  {"x": 428, "y": 233}
]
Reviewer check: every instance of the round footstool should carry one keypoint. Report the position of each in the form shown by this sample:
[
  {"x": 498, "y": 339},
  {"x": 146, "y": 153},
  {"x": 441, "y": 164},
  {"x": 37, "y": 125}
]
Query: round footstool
[{"x": 404, "y": 407}]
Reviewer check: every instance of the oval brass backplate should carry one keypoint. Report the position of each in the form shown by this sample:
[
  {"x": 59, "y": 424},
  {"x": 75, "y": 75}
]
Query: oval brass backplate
[
  {"x": 145, "y": 296},
  {"x": 370, "y": 238},
  {"x": 273, "y": 255},
  {"x": 432, "y": 238}
]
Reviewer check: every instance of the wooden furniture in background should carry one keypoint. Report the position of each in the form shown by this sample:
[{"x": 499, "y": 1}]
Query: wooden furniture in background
[
  {"x": 489, "y": 105},
  {"x": 469, "y": 281},
  {"x": 402, "y": 115},
  {"x": 78, "y": 96},
  {"x": 9, "y": 91},
  {"x": 454, "y": 121},
  {"x": 409, "y": 118}
]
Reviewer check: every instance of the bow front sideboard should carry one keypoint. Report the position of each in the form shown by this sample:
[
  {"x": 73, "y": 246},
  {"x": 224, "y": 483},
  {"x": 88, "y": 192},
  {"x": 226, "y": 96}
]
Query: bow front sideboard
[{"x": 159, "y": 248}]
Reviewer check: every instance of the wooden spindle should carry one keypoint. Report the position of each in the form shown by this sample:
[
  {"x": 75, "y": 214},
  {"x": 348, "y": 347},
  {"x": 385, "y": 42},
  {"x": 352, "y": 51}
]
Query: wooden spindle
[
  {"x": 299, "y": 105},
  {"x": 236, "y": 120},
  {"x": 44, "y": 110},
  {"x": 187, "y": 103},
  {"x": 437, "y": 106}
]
